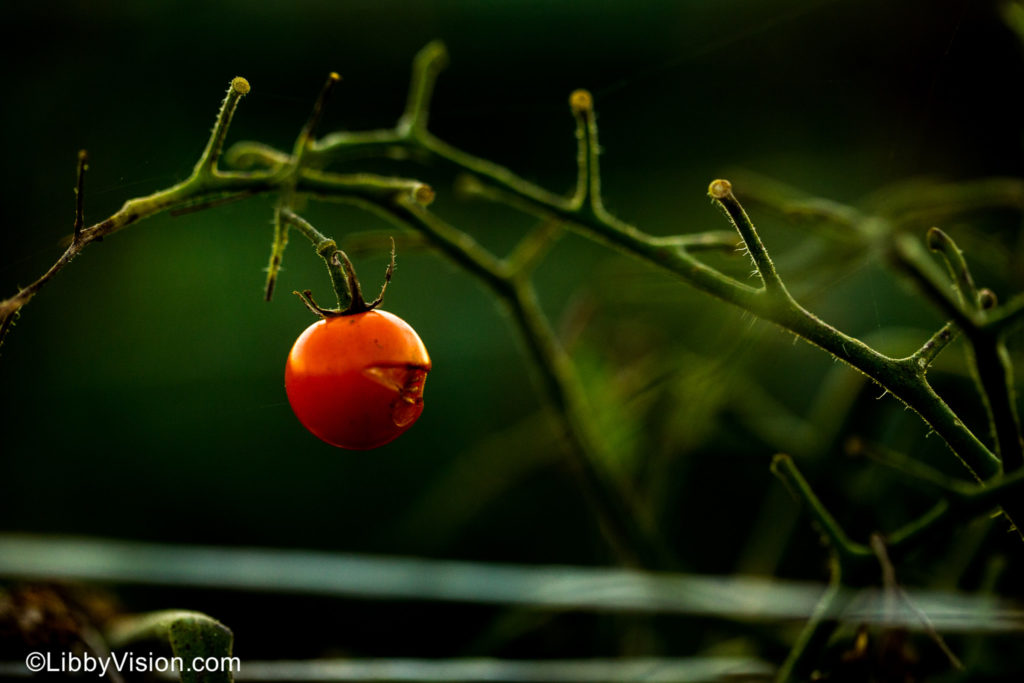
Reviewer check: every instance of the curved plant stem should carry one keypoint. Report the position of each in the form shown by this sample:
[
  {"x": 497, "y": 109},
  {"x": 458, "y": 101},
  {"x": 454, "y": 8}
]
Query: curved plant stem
[{"x": 849, "y": 552}]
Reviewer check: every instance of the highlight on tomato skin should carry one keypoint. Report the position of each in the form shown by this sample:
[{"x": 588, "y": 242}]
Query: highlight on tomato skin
[{"x": 356, "y": 381}]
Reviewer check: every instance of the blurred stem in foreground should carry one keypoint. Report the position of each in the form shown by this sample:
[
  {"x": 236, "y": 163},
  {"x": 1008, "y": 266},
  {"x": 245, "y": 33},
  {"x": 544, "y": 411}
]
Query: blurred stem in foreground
[{"x": 560, "y": 588}]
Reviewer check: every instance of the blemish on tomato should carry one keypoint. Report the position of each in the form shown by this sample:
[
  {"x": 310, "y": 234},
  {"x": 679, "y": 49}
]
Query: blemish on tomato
[
  {"x": 409, "y": 404},
  {"x": 407, "y": 382}
]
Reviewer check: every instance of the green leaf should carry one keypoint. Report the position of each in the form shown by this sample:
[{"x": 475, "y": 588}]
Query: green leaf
[{"x": 190, "y": 635}]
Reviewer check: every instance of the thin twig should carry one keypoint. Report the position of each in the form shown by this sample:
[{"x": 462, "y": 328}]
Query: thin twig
[
  {"x": 721, "y": 192},
  {"x": 83, "y": 166},
  {"x": 931, "y": 349},
  {"x": 894, "y": 591},
  {"x": 303, "y": 141},
  {"x": 959, "y": 273},
  {"x": 208, "y": 159},
  {"x": 849, "y": 551},
  {"x": 800, "y": 661}
]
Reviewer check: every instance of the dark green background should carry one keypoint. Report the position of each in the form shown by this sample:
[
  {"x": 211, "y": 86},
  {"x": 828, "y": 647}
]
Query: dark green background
[{"x": 142, "y": 390}]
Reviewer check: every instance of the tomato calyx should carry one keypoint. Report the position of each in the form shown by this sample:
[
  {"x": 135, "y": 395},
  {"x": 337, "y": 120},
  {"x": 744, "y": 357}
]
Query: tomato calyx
[{"x": 339, "y": 260}]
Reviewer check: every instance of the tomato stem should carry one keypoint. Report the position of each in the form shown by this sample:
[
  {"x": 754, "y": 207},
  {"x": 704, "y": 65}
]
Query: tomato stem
[{"x": 343, "y": 274}]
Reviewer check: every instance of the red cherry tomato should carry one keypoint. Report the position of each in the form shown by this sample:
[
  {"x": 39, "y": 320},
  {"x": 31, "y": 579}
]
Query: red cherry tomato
[{"x": 356, "y": 381}]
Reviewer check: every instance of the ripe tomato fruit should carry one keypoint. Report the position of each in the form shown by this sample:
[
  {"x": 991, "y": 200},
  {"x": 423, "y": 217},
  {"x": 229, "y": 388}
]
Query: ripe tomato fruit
[{"x": 356, "y": 381}]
